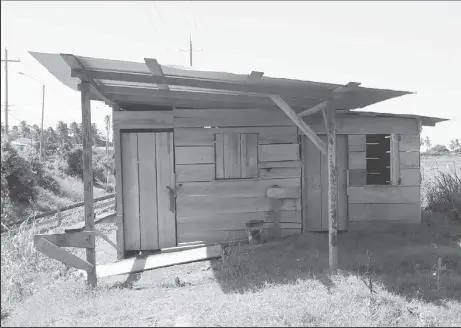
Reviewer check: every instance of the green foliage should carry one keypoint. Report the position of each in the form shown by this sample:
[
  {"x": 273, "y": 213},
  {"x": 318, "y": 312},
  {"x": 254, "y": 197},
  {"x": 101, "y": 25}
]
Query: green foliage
[
  {"x": 455, "y": 145},
  {"x": 18, "y": 174},
  {"x": 28, "y": 185},
  {"x": 438, "y": 149},
  {"x": 444, "y": 194},
  {"x": 74, "y": 161}
]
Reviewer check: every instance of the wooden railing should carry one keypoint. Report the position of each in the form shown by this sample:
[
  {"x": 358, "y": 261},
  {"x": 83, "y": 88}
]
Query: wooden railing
[{"x": 98, "y": 202}]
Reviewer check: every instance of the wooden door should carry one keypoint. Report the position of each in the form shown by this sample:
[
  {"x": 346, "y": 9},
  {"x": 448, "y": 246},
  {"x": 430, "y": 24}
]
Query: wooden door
[
  {"x": 315, "y": 185},
  {"x": 147, "y": 178}
]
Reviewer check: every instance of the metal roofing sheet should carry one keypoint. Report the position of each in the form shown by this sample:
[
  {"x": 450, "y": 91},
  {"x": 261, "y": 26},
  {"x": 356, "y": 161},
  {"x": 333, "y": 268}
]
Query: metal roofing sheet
[{"x": 133, "y": 80}]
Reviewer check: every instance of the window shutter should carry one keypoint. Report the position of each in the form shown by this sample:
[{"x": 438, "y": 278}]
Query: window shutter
[
  {"x": 236, "y": 155},
  {"x": 219, "y": 155},
  {"x": 249, "y": 155},
  {"x": 232, "y": 156},
  {"x": 357, "y": 173}
]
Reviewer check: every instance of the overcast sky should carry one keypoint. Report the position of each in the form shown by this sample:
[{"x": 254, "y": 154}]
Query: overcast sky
[{"x": 412, "y": 46}]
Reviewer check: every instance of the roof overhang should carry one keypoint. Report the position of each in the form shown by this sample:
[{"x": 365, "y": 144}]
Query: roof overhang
[{"x": 133, "y": 84}]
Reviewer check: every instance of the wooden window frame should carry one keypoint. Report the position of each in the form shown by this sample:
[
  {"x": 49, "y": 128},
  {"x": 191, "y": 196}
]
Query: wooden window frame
[
  {"x": 220, "y": 157},
  {"x": 393, "y": 164}
]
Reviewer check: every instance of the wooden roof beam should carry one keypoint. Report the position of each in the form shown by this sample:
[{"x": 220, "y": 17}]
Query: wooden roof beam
[
  {"x": 150, "y": 95},
  {"x": 300, "y": 123},
  {"x": 75, "y": 64},
  {"x": 255, "y": 87},
  {"x": 156, "y": 70},
  {"x": 336, "y": 94},
  {"x": 254, "y": 75}
]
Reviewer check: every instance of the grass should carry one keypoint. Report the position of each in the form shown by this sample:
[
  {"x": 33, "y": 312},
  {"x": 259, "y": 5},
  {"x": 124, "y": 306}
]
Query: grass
[
  {"x": 416, "y": 279},
  {"x": 284, "y": 283}
]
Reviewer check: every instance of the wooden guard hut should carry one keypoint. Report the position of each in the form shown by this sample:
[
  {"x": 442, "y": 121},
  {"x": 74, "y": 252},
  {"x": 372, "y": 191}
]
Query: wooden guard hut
[{"x": 199, "y": 153}]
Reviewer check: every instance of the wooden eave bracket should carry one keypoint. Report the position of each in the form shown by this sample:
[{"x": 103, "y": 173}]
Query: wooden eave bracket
[
  {"x": 306, "y": 129},
  {"x": 156, "y": 70},
  {"x": 78, "y": 70},
  {"x": 335, "y": 94}
]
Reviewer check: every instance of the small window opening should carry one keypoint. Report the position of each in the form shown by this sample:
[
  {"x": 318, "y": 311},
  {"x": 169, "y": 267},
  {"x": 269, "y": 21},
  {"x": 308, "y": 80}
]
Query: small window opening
[{"x": 378, "y": 154}]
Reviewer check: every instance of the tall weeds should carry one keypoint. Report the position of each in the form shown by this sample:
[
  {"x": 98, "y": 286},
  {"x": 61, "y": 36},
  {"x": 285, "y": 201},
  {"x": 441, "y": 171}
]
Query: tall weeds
[{"x": 443, "y": 194}]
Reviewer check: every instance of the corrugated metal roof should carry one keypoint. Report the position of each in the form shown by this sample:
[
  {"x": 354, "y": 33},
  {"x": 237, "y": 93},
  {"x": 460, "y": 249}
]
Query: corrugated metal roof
[{"x": 132, "y": 82}]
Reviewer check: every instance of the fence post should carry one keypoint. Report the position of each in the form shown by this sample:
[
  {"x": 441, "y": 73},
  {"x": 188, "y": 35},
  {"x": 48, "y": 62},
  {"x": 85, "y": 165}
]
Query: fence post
[{"x": 58, "y": 213}]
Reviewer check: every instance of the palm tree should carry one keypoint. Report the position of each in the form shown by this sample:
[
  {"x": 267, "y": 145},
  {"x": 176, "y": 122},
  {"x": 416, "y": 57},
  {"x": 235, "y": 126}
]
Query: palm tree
[
  {"x": 76, "y": 133},
  {"x": 428, "y": 143},
  {"x": 455, "y": 144},
  {"x": 63, "y": 132},
  {"x": 24, "y": 129},
  {"x": 35, "y": 132},
  {"x": 51, "y": 140}
]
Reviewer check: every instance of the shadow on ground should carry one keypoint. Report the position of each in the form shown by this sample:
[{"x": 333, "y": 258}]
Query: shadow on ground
[{"x": 405, "y": 260}]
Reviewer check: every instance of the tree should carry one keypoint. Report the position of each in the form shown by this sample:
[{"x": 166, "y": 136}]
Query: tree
[
  {"x": 63, "y": 132},
  {"x": 14, "y": 133},
  {"x": 455, "y": 145},
  {"x": 76, "y": 133},
  {"x": 428, "y": 143},
  {"x": 24, "y": 129},
  {"x": 35, "y": 132},
  {"x": 51, "y": 140},
  {"x": 107, "y": 124},
  {"x": 95, "y": 138},
  {"x": 438, "y": 149}
]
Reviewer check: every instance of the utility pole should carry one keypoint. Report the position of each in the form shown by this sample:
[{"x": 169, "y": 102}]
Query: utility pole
[
  {"x": 191, "y": 50},
  {"x": 42, "y": 140},
  {"x": 6, "y": 86}
]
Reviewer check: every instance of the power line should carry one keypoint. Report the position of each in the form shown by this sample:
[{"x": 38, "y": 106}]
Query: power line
[
  {"x": 157, "y": 11},
  {"x": 193, "y": 16},
  {"x": 152, "y": 20}
]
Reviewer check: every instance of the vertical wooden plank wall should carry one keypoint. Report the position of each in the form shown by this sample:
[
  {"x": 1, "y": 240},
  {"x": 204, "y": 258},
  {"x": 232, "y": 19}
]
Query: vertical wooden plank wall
[
  {"x": 147, "y": 163},
  {"x": 389, "y": 203},
  {"x": 130, "y": 190},
  {"x": 165, "y": 180},
  {"x": 125, "y": 121},
  {"x": 315, "y": 188},
  {"x": 212, "y": 210},
  {"x": 395, "y": 203}
]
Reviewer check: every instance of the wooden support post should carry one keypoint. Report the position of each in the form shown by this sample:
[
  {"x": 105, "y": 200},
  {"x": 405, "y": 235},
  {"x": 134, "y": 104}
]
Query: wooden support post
[
  {"x": 88, "y": 177},
  {"x": 329, "y": 117},
  {"x": 120, "y": 238},
  {"x": 59, "y": 215}
]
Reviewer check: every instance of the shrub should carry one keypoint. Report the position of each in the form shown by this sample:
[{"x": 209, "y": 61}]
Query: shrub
[
  {"x": 17, "y": 175},
  {"x": 444, "y": 194},
  {"x": 438, "y": 149},
  {"x": 74, "y": 161},
  {"x": 103, "y": 166}
]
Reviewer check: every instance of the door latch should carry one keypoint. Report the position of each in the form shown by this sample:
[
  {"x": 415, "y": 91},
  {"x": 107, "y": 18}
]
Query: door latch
[{"x": 173, "y": 194}]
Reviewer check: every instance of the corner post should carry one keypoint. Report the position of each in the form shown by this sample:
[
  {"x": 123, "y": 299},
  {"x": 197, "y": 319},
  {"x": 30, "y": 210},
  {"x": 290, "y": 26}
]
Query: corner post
[
  {"x": 118, "y": 184},
  {"x": 88, "y": 177},
  {"x": 329, "y": 116}
]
